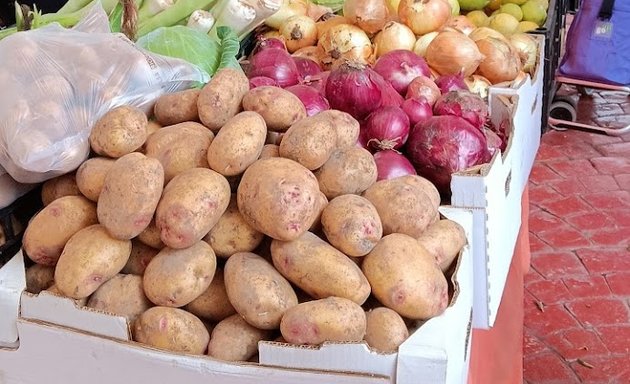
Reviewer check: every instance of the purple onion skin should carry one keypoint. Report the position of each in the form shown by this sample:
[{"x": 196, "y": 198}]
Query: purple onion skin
[
  {"x": 261, "y": 81},
  {"x": 387, "y": 128},
  {"x": 268, "y": 43},
  {"x": 464, "y": 104},
  {"x": 354, "y": 89},
  {"x": 306, "y": 67},
  {"x": 313, "y": 101},
  {"x": 391, "y": 164},
  {"x": 417, "y": 110},
  {"x": 449, "y": 83},
  {"x": 400, "y": 67},
  {"x": 443, "y": 145},
  {"x": 276, "y": 64}
]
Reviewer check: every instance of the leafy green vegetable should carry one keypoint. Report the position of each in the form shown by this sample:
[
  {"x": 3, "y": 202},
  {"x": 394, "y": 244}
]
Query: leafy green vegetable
[
  {"x": 208, "y": 53},
  {"x": 335, "y": 5}
]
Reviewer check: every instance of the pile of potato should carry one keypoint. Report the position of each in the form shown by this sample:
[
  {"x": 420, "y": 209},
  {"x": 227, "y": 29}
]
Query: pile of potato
[{"x": 209, "y": 240}]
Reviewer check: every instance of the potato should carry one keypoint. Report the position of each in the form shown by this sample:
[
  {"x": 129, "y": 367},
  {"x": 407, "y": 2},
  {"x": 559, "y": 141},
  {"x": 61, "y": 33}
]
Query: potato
[
  {"x": 151, "y": 236},
  {"x": 405, "y": 277},
  {"x": 444, "y": 240},
  {"x": 330, "y": 319},
  {"x": 120, "y": 131},
  {"x": 427, "y": 186},
  {"x": 213, "y": 304},
  {"x": 175, "y": 277},
  {"x": 346, "y": 126},
  {"x": 280, "y": 108},
  {"x": 50, "y": 229},
  {"x": 171, "y": 329},
  {"x": 122, "y": 295},
  {"x": 64, "y": 185},
  {"x": 130, "y": 194},
  {"x": 403, "y": 206},
  {"x": 233, "y": 339},
  {"x": 319, "y": 269},
  {"x": 257, "y": 291},
  {"x": 386, "y": 330},
  {"x": 91, "y": 176},
  {"x": 191, "y": 205},
  {"x": 152, "y": 127},
  {"x": 180, "y": 147},
  {"x": 177, "y": 107},
  {"x": 310, "y": 142},
  {"x": 269, "y": 150},
  {"x": 55, "y": 291},
  {"x": 279, "y": 198},
  {"x": 141, "y": 255},
  {"x": 39, "y": 277},
  {"x": 221, "y": 98},
  {"x": 348, "y": 170},
  {"x": 232, "y": 234},
  {"x": 238, "y": 144},
  {"x": 90, "y": 258},
  {"x": 321, "y": 204},
  {"x": 352, "y": 225}
]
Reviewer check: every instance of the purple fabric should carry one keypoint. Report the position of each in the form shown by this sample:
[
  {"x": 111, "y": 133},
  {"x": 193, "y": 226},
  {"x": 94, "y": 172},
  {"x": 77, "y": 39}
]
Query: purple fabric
[{"x": 595, "y": 53}]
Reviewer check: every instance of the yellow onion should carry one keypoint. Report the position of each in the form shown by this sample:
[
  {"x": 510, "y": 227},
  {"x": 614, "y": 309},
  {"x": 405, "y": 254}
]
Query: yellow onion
[
  {"x": 369, "y": 15},
  {"x": 288, "y": 9},
  {"x": 452, "y": 53},
  {"x": 420, "y": 48},
  {"x": 461, "y": 23},
  {"x": 273, "y": 34},
  {"x": 483, "y": 32},
  {"x": 327, "y": 21},
  {"x": 392, "y": 5},
  {"x": 299, "y": 32},
  {"x": 345, "y": 42},
  {"x": 316, "y": 11},
  {"x": 394, "y": 36},
  {"x": 478, "y": 84},
  {"x": 314, "y": 53},
  {"x": 527, "y": 47},
  {"x": 424, "y": 16},
  {"x": 502, "y": 61}
]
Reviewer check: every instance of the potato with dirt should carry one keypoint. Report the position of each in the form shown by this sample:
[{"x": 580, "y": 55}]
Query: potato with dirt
[
  {"x": 39, "y": 277},
  {"x": 90, "y": 258},
  {"x": 258, "y": 292},
  {"x": 279, "y": 197},
  {"x": 175, "y": 277},
  {"x": 319, "y": 269},
  {"x": 141, "y": 255},
  {"x": 331, "y": 319},
  {"x": 346, "y": 126},
  {"x": 213, "y": 304},
  {"x": 406, "y": 278},
  {"x": 131, "y": 192},
  {"x": 122, "y": 295},
  {"x": 310, "y": 142},
  {"x": 119, "y": 131},
  {"x": 444, "y": 240},
  {"x": 279, "y": 107},
  {"x": 386, "y": 330},
  {"x": 171, "y": 329},
  {"x": 151, "y": 236},
  {"x": 50, "y": 229},
  {"x": 349, "y": 170},
  {"x": 233, "y": 339},
  {"x": 60, "y": 186},
  {"x": 177, "y": 107},
  {"x": 91, "y": 176},
  {"x": 191, "y": 204},
  {"x": 269, "y": 150},
  {"x": 221, "y": 98}
]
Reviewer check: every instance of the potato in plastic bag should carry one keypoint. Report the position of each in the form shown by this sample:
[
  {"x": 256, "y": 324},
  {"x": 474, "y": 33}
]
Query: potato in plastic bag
[{"x": 57, "y": 82}]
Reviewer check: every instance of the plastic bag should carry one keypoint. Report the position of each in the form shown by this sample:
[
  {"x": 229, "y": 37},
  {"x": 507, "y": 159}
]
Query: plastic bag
[{"x": 57, "y": 82}]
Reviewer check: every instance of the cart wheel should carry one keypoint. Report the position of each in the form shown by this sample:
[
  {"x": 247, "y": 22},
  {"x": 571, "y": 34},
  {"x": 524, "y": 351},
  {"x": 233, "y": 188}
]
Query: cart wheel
[
  {"x": 585, "y": 91},
  {"x": 563, "y": 110}
]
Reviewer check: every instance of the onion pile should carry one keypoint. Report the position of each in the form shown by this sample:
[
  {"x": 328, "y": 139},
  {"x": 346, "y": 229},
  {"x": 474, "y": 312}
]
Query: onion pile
[
  {"x": 502, "y": 62},
  {"x": 400, "y": 67},
  {"x": 345, "y": 42},
  {"x": 369, "y": 15},
  {"x": 424, "y": 16},
  {"x": 392, "y": 37},
  {"x": 451, "y": 53}
]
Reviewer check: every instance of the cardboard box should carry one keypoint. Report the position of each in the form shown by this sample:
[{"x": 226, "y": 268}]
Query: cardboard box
[{"x": 12, "y": 283}]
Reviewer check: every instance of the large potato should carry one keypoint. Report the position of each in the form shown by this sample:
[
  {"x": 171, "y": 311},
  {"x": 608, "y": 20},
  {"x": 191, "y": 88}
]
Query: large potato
[
  {"x": 309, "y": 141},
  {"x": 91, "y": 176},
  {"x": 180, "y": 147},
  {"x": 444, "y": 240},
  {"x": 151, "y": 236},
  {"x": 238, "y": 144},
  {"x": 190, "y": 206},
  {"x": 269, "y": 150},
  {"x": 177, "y": 107},
  {"x": 120, "y": 131},
  {"x": 346, "y": 126},
  {"x": 130, "y": 194},
  {"x": 279, "y": 198},
  {"x": 221, "y": 98},
  {"x": 352, "y": 225},
  {"x": 60, "y": 186},
  {"x": 233, "y": 339},
  {"x": 90, "y": 258},
  {"x": 405, "y": 277},
  {"x": 39, "y": 277},
  {"x": 428, "y": 187},
  {"x": 172, "y": 329},
  {"x": 175, "y": 277},
  {"x": 122, "y": 295},
  {"x": 257, "y": 291},
  {"x": 403, "y": 206},
  {"x": 386, "y": 330},
  {"x": 213, "y": 304},
  {"x": 319, "y": 269},
  {"x": 232, "y": 234},
  {"x": 330, "y": 319},
  {"x": 50, "y": 229},
  {"x": 348, "y": 170},
  {"x": 141, "y": 255},
  {"x": 280, "y": 108}
]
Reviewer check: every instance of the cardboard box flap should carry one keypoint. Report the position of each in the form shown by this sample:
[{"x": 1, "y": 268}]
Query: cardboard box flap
[{"x": 12, "y": 283}]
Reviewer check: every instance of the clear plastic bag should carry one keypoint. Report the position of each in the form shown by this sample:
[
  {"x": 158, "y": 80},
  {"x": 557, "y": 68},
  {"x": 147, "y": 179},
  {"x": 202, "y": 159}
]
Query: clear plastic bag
[{"x": 57, "y": 82}]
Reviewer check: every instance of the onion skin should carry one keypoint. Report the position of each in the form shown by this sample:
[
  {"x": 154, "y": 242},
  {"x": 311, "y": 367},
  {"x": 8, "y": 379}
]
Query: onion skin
[
  {"x": 527, "y": 47},
  {"x": 449, "y": 83},
  {"x": 345, "y": 42},
  {"x": 328, "y": 21},
  {"x": 400, "y": 68},
  {"x": 318, "y": 82},
  {"x": 461, "y": 23},
  {"x": 299, "y": 32},
  {"x": 424, "y": 16},
  {"x": 387, "y": 128},
  {"x": 451, "y": 53},
  {"x": 418, "y": 110},
  {"x": 313, "y": 101},
  {"x": 261, "y": 81},
  {"x": 306, "y": 67},
  {"x": 391, "y": 164},
  {"x": 464, "y": 104},
  {"x": 423, "y": 88},
  {"x": 314, "y": 53},
  {"x": 276, "y": 64},
  {"x": 394, "y": 36},
  {"x": 355, "y": 89},
  {"x": 421, "y": 45},
  {"x": 267, "y": 43},
  {"x": 501, "y": 63},
  {"x": 369, "y": 15}
]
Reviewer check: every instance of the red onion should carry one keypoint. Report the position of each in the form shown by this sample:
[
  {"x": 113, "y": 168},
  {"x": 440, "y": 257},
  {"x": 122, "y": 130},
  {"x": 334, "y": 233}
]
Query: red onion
[
  {"x": 494, "y": 141},
  {"x": 362, "y": 140},
  {"x": 306, "y": 67},
  {"x": 389, "y": 94},
  {"x": 261, "y": 81},
  {"x": 400, "y": 67},
  {"x": 268, "y": 43},
  {"x": 276, "y": 64},
  {"x": 387, "y": 128},
  {"x": 391, "y": 164},
  {"x": 464, "y": 104},
  {"x": 449, "y": 83},
  {"x": 314, "y": 101},
  {"x": 418, "y": 110},
  {"x": 355, "y": 89},
  {"x": 317, "y": 82},
  {"x": 423, "y": 87}
]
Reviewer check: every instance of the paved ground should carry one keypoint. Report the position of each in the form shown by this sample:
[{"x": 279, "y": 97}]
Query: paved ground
[{"x": 577, "y": 298}]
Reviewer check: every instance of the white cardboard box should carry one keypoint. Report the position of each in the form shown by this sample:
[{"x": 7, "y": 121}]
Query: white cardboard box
[{"x": 12, "y": 283}]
